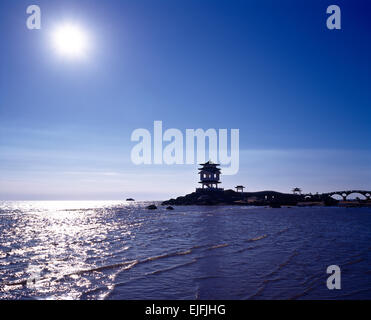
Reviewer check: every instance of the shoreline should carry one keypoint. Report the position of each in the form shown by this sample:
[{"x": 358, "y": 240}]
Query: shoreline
[{"x": 273, "y": 199}]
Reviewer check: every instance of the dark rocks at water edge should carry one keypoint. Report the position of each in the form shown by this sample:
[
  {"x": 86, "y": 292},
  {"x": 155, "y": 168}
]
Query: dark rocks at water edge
[
  {"x": 151, "y": 207},
  {"x": 229, "y": 197},
  {"x": 275, "y": 205},
  {"x": 130, "y": 199}
]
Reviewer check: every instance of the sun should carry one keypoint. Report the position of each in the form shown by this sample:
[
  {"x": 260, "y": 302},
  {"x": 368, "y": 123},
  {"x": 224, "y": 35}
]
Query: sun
[{"x": 70, "y": 40}]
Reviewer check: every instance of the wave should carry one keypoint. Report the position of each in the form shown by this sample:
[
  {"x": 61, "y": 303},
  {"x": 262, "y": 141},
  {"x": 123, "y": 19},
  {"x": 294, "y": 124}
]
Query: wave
[
  {"x": 301, "y": 294},
  {"x": 282, "y": 231},
  {"x": 126, "y": 265},
  {"x": 283, "y": 264},
  {"x": 171, "y": 268},
  {"x": 309, "y": 285},
  {"x": 258, "y": 292},
  {"x": 257, "y": 238},
  {"x": 353, "y": 262},
  {"x": 223, "y": 245},
  {"x": 167, "y": 255},
  {"x": 352, "y": 293},
  {"x": 248, "y": 248}
]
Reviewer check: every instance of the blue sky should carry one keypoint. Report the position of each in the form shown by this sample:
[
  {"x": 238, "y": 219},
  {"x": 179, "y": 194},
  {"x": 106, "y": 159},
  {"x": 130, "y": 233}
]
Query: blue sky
[{"x": 299, "y": 93}]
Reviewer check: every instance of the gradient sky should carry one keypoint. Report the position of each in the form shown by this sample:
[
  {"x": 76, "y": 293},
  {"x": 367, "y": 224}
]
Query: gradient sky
[{"x": 299, "y": 93}]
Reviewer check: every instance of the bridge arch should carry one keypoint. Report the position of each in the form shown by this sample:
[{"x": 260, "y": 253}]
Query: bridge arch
[
  {"x": 350, "y": 194},
  {"x": 337, "y": 196},
  {"x": 355, "y": 195}
]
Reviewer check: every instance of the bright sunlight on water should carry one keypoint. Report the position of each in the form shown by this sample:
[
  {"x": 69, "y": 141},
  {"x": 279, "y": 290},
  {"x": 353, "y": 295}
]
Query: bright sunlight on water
[{"x": 120, "y": 250}]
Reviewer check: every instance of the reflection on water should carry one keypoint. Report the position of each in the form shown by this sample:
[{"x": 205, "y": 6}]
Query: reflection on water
[
  {"x": 61, "y": 243},
  {"x": 119, "y": 250}
]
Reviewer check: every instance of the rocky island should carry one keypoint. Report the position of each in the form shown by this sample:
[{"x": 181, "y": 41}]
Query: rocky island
[
  {"x": 262, "y": 198},
  {"x": 211, "y": 194}
]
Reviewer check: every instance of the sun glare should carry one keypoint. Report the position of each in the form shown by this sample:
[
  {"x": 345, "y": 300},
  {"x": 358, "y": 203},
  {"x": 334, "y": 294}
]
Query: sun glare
[{"x": 70, "y": 40}]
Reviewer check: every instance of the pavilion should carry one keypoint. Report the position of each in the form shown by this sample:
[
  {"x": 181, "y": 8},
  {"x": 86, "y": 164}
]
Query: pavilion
[{"x": 209, "y": 176}]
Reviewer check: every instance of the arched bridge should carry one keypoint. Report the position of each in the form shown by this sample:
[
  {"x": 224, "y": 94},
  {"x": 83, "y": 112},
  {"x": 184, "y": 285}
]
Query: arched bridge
[{"x": 345, "y": 194}]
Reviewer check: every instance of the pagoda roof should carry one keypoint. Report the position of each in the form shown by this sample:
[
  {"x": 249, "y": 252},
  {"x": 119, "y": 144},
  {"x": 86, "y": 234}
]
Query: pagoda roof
[
  {"x": 210, "y": 163},
  {"x": 209, "y": 181},
  {"x": 240, "y": 187},
  {"x": 209, "y": 169}
]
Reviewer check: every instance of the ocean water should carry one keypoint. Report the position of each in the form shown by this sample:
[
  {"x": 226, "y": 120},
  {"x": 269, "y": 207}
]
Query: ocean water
[{"x": 120, "y": 250}]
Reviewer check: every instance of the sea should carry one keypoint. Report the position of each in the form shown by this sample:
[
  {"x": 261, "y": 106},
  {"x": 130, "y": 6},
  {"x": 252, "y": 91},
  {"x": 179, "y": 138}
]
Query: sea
[{"x": 120, "y": 250}]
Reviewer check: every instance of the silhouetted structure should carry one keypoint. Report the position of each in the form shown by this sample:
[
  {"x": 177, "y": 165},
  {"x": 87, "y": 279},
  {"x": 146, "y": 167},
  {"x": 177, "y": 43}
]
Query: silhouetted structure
[
  {"x": 209, "y": 175},
  {"x": 240, "y": 189},
  {"x": 211, "y": 194},
  {"x": 346, "y": 193}
]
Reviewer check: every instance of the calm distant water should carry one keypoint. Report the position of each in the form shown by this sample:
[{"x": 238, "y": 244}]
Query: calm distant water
[{"x": 116, "y": 250}]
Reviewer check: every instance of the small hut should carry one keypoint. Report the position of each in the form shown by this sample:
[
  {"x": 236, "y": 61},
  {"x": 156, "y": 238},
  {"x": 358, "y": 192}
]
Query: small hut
[{"x": 240, "y": 189}]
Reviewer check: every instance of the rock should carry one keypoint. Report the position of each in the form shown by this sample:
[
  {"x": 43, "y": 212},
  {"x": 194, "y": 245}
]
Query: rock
[
  {"x": 151, "y": 207},
  {"x": 331, "y": 202},
  {"x": 169, "y": 208},
  {"x": 229, "y": 197},
  {"x": 240, "y": 202},
  {"x": 203, "y": 198},
  {"x": 130, "y": 199},
  {"x": 275, "y": 205}
]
